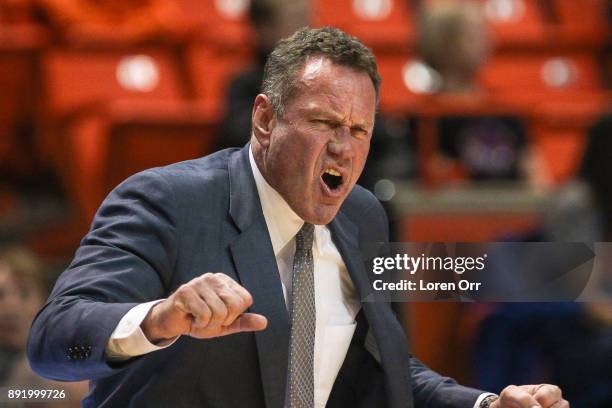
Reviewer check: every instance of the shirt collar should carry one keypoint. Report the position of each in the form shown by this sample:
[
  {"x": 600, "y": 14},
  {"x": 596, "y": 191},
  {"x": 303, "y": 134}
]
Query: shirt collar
[{"x": 283, "y": 223}]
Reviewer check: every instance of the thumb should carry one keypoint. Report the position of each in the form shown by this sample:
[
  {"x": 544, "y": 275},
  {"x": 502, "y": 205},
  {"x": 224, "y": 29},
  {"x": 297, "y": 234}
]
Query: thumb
[{"x": 247, "y": 322}]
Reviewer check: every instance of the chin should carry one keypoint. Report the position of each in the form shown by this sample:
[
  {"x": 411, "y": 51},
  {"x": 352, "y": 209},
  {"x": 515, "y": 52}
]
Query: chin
[{"x": 322, "y": 216}]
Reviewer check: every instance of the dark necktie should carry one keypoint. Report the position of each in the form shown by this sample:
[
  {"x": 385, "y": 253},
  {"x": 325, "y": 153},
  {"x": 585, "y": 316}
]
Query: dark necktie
[{"x": 303, "y": 322}]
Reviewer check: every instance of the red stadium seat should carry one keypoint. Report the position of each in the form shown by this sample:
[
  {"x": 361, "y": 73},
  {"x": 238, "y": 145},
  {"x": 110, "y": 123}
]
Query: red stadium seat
[
  {"x": 127, "y": 137},
  {"x": 538, "y": 76},
  {"x": 404, "y": 79},
  {"x": 113, "y": 113},
  {"x": 82, "y": 81},
  {"x": 211, "y": 70},
  {"x": 516, "y": 23},
  {"x": 79, "y": 79},
  {"x": 220, "y": 22},
  {"x": 381, "y": 24},
  {"x": 581, "y": 23}
]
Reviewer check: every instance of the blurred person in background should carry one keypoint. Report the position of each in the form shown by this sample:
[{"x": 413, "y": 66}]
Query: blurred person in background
[
  {"x": 271, "y": 21},
  {"x": 23, "y": 290},
  {"x": 454, "y": 41},
  {"x": 522, "y": 340},
  {"x": 454, "y": 44}
]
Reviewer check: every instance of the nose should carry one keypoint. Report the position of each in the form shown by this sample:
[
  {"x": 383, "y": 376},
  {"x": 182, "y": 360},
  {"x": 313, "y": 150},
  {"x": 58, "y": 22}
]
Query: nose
[{"x": 341, "y": 144}]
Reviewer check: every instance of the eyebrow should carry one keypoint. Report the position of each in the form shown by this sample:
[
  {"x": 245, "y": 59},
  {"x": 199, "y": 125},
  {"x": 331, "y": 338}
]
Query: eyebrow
[{"x": 332, "y": 115}]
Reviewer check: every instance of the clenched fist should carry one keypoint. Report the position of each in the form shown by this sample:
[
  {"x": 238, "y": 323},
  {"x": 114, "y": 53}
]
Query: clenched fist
[
  {"x": 531, "y": 396},
  {"x": 211, "y": 305}
]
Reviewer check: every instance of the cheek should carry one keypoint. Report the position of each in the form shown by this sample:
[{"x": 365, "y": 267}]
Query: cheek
[{"x": 362, "y": 150}]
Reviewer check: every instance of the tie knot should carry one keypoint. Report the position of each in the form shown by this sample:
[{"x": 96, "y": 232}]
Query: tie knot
[{"x": 303, "y": 239}]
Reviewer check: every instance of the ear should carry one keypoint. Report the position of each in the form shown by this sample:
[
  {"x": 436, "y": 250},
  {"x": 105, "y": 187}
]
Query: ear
[{"x": 263, "y": 120}]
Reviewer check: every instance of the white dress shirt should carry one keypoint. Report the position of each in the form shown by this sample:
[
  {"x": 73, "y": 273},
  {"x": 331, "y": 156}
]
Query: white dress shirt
[{"x": 337, "y": 301}]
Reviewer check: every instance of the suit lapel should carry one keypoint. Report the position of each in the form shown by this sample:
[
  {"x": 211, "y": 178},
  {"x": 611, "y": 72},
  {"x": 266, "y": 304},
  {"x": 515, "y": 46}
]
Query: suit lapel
[
  {"x": 387, "y": 333},
  {"x": 258, "y": 272}
]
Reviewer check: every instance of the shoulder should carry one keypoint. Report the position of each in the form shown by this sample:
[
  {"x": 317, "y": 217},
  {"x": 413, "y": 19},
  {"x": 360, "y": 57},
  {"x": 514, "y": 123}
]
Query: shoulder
[
  {"x": 364, "y": 210},
  {"x": 174, "y": 192},
  {"x": 184, "y": 179}
]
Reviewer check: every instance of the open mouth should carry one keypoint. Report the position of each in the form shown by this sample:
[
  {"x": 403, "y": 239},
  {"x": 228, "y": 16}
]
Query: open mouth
[{"x": 332, "y": 179}]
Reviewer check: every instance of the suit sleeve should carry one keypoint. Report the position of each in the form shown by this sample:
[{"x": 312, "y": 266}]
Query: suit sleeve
[
  {"x": 430, "y": 389},
  {"x": 127, "y": 258}
]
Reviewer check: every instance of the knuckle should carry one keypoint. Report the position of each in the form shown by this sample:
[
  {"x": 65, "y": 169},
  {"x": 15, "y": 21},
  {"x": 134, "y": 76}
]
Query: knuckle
[
  {"x": 508, "y": 391},
  {"x": 182, "y": 291},
  {"x": 220, "y": 277},
  {"x": 208, "y": 279},
  {"x": 207, "y": 276}
]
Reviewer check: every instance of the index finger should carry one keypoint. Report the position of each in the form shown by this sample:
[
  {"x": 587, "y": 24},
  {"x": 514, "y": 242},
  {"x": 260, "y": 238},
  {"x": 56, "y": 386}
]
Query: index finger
[{"x": 517, "y": 397}]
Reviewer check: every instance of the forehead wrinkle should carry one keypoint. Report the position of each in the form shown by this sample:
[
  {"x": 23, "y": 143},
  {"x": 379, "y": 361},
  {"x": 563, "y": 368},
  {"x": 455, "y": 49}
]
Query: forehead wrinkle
[{"x": 326, "y": 93}]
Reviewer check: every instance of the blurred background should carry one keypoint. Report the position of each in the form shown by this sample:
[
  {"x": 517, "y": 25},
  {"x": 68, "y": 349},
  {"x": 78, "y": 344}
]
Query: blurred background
[{"x": 494, "y": 125}]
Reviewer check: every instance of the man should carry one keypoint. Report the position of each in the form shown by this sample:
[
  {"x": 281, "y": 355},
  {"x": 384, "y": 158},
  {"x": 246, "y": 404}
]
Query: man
[{"x": 141, "y": 313}]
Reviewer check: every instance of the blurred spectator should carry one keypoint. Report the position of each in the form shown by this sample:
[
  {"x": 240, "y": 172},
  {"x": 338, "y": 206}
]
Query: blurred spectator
[
  {"x": 271, "y": 20},
  {"x": 117, "y": 22},
  {"x": 596, "y": 171},
  {"x": 23, "y": 290},
  {"x": 521, "y": 341},
  {"x": 581, "y": 210},
  {"x": 454, "y": 43}
]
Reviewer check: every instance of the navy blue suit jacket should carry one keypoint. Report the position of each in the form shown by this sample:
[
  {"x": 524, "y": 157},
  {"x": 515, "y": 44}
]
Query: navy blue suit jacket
[{"x": 165, "y": 226}]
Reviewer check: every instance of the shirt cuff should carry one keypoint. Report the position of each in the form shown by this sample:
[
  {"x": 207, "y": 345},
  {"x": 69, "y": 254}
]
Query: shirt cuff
[
  {"x": 482, "y": 397},
  {"x": 128, "y": 340}
]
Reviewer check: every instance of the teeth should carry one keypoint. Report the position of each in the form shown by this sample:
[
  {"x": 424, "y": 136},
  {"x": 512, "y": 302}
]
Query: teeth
[{"x": 332, "y": 172}]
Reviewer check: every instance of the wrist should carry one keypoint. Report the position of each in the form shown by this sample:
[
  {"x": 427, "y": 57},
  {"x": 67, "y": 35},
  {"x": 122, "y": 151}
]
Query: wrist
[
  {"x": 489, "y": 401},
  {"x": 152, "y": 329}
]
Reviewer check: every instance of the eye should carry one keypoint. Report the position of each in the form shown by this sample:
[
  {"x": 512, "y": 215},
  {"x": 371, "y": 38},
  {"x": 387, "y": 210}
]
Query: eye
[
  {"x": 324, "y": 124},
  {"x": 360, "y": 133}
]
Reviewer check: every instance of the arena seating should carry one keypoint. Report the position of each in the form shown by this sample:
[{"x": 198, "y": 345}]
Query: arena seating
[
  {"x": 382, "y": 24},
  {"x": 99, "y": 103},
  {"x": 101, "y": 112}
]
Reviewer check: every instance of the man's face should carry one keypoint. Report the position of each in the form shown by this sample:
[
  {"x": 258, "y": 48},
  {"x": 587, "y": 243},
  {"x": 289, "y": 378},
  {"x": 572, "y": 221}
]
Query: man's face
[{"x": 317, "y": 150}]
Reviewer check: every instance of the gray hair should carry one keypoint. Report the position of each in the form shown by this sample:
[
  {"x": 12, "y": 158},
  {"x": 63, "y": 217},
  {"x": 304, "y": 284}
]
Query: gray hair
[{"x": 291, "y": 53}]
